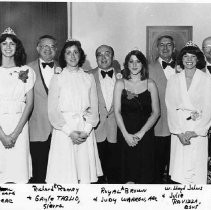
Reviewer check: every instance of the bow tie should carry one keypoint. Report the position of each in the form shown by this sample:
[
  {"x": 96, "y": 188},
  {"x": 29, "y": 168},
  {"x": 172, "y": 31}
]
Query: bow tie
[
  {"x": 164, "y": 64},
  {"x": 209, "y": 68},
  {"x": 109, "y": 73},
  {"x": 51, "y": 64}
]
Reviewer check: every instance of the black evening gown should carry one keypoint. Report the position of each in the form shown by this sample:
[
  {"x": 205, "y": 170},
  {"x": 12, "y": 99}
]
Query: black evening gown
[{"x": 136, "y": 163}]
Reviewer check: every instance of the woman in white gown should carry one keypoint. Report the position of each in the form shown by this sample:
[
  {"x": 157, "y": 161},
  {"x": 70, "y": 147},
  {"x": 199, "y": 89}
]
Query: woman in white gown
[
  {"x": 73, "y": 112},
  {"x": 188, "y": 101},
  {"x": 16, "y": 102}
]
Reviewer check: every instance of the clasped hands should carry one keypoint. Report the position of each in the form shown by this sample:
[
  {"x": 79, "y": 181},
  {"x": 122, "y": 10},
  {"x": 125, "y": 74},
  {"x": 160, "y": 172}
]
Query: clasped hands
[
  {"x": 185, "y": 137},
  {"x": 133, "y": 139},
  {"x": 78, "y": 137},
  {"x": 8, "y": 141}
]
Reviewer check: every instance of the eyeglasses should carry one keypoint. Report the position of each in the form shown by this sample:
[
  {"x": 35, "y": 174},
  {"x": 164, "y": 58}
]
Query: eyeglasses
[
  {"x": 106, "y": 54},
  {"x": 52, "y": 47}
]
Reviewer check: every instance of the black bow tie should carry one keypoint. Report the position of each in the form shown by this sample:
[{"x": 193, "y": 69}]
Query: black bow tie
[
  {"x": 164, "y": 64},
  {"x": 109, "y": 73},
  {"x": 51, "y": 64},
  {"x": 209, "y": 68}
]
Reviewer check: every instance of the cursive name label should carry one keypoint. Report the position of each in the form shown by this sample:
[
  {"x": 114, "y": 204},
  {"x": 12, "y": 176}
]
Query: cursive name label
[
  {"x": 55, "y": 187},
  {"x": 54, "y": 196},
  {"x": 123, "y": 194},
  {"x": 6, "y": 195},
  {"x": 180, "y": 195},
  {"x": 65, "y": 197}
]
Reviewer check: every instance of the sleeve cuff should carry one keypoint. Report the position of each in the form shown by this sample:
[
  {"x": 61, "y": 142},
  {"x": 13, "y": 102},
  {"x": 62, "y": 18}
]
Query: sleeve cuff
[
  {"x": 66, "y": 129},
  {"x": 87, "y": 128}
]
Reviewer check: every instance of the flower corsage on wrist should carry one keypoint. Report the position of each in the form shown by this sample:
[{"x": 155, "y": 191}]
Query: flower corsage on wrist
[{"x": 194, "y": 114}]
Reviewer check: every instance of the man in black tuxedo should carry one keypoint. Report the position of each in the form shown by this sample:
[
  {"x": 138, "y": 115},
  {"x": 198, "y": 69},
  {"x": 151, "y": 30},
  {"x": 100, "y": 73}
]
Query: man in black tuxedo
[{"x": 106, "y": 74}]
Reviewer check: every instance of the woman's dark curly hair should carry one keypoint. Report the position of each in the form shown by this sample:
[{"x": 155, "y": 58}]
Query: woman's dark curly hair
[
  {"x": 20, "y": 55},
  {"x": 82, "y": 59},
  {"x": 201, "y": 63},
  {"x": 142, "y": 58}
]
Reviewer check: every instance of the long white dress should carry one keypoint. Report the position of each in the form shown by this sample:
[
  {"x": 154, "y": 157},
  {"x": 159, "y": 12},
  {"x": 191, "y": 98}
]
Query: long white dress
[
  {"x": 188, "y": 164},
  {"x": 73, "y": 106},
  {"x": 15, "y": 163}
]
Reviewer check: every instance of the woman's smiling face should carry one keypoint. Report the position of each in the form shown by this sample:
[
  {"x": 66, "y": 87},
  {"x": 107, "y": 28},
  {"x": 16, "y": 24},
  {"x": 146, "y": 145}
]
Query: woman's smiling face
[
  {"x": 134, "y": 65},
  {"x": 72, "y": 56},
  {"x": 189, "y": 61},
  {"x": 8, "y": 47}
]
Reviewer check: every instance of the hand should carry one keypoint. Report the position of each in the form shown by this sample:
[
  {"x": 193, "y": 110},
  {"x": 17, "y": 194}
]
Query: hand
[
  {"x": 83, "y": 135},
  {"x": 140, "y": 135},
  {"x": 8, "y": 141},
  {"x": 14, "y": 137},
  {"x": 131, "y": 140},
  {"x": 74, "y": 136},
  {"x": 190, "y": 134},
  {"x": 78, "y": 137},
  {"x": 183, "y": 139}
]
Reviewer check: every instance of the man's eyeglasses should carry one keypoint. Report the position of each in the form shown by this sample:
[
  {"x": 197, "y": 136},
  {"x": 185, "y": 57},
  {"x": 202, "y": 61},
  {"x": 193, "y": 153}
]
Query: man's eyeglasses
[
  {"x": 52, "y": 47},
  {"x": 106, "y": 54}
]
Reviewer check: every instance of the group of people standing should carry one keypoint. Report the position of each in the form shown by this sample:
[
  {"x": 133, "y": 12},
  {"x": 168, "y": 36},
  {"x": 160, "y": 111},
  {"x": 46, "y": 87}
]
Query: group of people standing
[{"x": 103, "y": 125}]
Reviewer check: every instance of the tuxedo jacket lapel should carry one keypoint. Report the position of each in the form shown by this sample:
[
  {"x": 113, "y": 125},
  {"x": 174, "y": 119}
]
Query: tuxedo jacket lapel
[
  {"x": 112, "y": 103},
  {"x": 39, "y": 83},
  {"x": 100, "y": 93},
  {"x": 99, "y": 90},
  {"x": 107, "y": 127},
  {"x": 41, "y": 76}
]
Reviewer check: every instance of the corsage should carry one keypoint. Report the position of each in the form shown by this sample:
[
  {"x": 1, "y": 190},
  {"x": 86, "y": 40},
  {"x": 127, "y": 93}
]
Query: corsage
[
  {"x": 194, "y": 114},
  {"x": 22, "y": 75},
  {"x": 119, "y": 76}
]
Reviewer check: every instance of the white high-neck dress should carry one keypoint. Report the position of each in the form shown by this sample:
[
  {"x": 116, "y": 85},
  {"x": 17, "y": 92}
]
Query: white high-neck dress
[
  {"x": 73, "y": 106},
  {"x": 15, "y": 163}
]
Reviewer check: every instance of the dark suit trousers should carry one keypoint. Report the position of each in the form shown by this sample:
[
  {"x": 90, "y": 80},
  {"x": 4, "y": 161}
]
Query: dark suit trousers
[
  {"x": 108, "y": 153},
  {"x": 162, "y": 157},
  {"x": 39, "y": 153}
]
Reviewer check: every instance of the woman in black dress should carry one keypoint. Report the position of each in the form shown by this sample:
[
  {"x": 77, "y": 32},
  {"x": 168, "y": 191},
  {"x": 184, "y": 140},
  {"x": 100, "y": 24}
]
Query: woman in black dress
[{"x": 136, "y": 106}]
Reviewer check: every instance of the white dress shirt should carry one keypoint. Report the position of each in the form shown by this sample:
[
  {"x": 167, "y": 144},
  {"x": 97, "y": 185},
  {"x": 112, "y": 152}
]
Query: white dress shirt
[
  {"x": 168, "y": 71},
  {"x": 107, "y": 86},
  {"x": 47, "y": 73}
]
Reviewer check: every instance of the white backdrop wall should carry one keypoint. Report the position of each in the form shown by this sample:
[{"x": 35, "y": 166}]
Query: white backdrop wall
[{"x": 123, "y": 25}]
